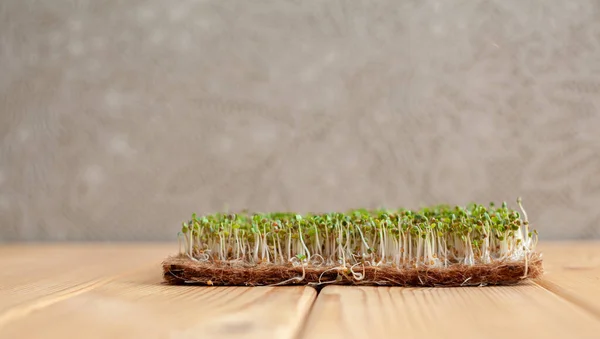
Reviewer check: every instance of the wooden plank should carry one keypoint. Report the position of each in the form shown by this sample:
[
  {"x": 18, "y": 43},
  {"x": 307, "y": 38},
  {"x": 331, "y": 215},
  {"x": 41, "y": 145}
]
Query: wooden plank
[
  {"x": 572, "y": 270},
  {"x": 141, "y": 306},
  {"x": 28, "y": 263},
  {"x": 469, "y": 312},
  {"x": 34, "y": 276}
]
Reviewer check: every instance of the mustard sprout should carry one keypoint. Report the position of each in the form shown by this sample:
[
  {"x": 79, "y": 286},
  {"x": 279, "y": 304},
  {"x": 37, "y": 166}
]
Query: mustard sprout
[{"x": 435, "y": 236}]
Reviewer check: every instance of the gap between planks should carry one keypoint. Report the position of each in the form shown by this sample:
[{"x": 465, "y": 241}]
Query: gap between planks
[
  {"x": 140, "y": 305},
  {"x": 565, "y": 301},
  {"x": 572, "y": 274}
]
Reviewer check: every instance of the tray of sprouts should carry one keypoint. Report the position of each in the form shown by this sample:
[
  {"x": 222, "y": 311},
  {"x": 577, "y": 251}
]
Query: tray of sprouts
[{"x": 432, "y": 246}]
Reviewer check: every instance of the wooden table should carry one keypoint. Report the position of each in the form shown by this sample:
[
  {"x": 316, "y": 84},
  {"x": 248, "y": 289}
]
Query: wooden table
[{"x": 116, "y": 291}]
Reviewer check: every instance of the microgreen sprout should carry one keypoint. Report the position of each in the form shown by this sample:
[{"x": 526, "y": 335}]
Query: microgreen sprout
[{"x": 434, "y": 236}]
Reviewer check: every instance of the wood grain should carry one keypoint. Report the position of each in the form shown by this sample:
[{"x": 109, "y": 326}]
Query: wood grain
[
  {"x": 572, "y": 270},
  {"x": 140, "y": 306},
  {"x": 34, "y": 276},
  {"x": 468, "y": 312},
  {"x": 116, "y": 290}
]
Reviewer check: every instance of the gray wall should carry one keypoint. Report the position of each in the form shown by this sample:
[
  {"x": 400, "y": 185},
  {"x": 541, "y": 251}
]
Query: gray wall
[{"x": 118, "y": 119}]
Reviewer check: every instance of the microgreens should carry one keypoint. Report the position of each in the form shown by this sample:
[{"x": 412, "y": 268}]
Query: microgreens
[{"x": 435, "y": 236}]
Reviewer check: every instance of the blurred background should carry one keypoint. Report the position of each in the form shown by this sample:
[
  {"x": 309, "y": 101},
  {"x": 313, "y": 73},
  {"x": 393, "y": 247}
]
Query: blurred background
[{"x": 118, "y": 119}]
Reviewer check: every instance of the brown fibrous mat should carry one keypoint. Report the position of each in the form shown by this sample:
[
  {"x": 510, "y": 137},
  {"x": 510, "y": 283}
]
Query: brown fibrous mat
[{"x": 181, "y": 270}]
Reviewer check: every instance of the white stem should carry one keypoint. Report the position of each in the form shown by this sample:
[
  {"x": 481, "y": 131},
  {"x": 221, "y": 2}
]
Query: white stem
[
  {"x": 256, "y": 245},
  {"x": 237, "y": 245},
  {"x": 191, "y": 241},
  {"x": 362, "y": 237},
  {"x": 318, "y": 242},
  {"x": 289, "y": 246},
  {"x": 382, "y": 245},
  {"x": 280, "y": 250},
  {"x": 303, "y": 244}
]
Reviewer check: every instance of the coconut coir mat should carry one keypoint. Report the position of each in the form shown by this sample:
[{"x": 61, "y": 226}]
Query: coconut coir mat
[
  {"x": 180, "y": 270},
  {"x": 432, "y": 246}
]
